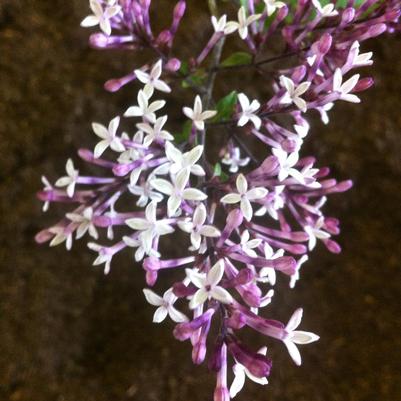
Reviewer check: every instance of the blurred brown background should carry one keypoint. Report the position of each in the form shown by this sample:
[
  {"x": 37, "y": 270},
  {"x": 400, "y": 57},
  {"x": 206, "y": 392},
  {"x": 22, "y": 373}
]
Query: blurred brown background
[{"x": 67, "y": 333}]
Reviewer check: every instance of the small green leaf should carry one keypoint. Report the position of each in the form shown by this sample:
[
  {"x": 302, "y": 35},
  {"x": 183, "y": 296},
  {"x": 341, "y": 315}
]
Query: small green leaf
[
  {"x": 238, "y": 58},
  {"x": 184, "y": 69},
  {"x": 217, "y": 170},
  {"x": 225, "y": 107},
  {"x": 196, "y": 79}
]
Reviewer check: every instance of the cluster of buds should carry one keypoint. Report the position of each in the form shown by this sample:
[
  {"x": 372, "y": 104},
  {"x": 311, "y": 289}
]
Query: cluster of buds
[{"x": 245, "y": 219}]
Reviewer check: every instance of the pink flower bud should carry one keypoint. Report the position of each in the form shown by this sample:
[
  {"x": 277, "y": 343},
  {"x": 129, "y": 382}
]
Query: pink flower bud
[
  {"x": 173, "y": 65},
  {"x": 348, "y": 15},
  {"x": 363, "y": 84},
  {"x": 325, "y": 43}
]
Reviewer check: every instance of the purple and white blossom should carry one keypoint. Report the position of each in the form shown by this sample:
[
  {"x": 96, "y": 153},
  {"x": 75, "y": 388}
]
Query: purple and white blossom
[
  {"x": 272, "y": 6},
  {"x": 198, "y": 115},
  {"x": 242, "y": 24},
  {"x": 243, "y": 196},
  {"x": 152, "y": 79},
  {"x": 197, "y": 227},
  {"x": 145, "y": 109},
  {"x": 70, "y": 179},
  {"x": 248, "y": 111},
  {"x": 294, "y": 337},
  {"x": 101, "y": 16},
  {"x": 207, "y": 284},
  {"x": 165, "y": 306},
  {"x": 108, "y": 137},
  {"x": 293, "y": 92},
  {"x": 162, "y": 178},
  {"x": 233, "y": 159}
]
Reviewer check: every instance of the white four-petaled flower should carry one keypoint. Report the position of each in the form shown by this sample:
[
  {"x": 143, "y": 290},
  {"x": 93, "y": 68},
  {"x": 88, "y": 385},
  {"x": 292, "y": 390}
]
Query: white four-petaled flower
[
  {"x": 177, "y": 191},
  {"x": 345, "y": 88},
  {"x": 149, "y": 226},
  {"x": 145, "y": 192},
  {"x": 197, "y": 227},
  {"x": 47, "y": 188},
  {"x": 101, "y": 17},
  {"x": 105, "y": 255},
  {"x": 207, "y": 285},
  {"x": 326, "y": 11},
  {"x": 248, "y": 111},
  {"x": 197, "y": 115},
  {"x": 145, "y": 109},
  {"x": 272, "y": 5},
  {"x": 294, "y": 92},
  {"x": 140, "y": 250},
  {"x": 297, "y": 337},
  {"x": 165, "y": 306},
  {"x": 359, "y": 59},
  {"x": 315, "y": 232},
  {"x": 242, "y": 25},
  {"x": 152, "y": 79},
  {"x": 61, "y": 235},
  {"x": 85, "y": 221},
  {"x": 268, "y": 273},
  {"x": 108, "y": 136},
  {"x": 155, "y": 132},
  {"x": 70, "y": 179},
  {"x": 184, "y": 161},
  {"x": 244, "y": 197},
  {"x": 248, "y": 245},
  {"x": 287, "y": 163},
  {"x": 241, "y": 373},
  {"x": 275, "y": 203},
  {"x": 219, "y": 25},
  {"x": 234, "y": 160}
]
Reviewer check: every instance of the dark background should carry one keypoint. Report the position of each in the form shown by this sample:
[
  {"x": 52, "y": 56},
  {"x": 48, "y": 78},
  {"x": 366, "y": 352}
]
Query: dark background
[{"x": 67, "y": 333}]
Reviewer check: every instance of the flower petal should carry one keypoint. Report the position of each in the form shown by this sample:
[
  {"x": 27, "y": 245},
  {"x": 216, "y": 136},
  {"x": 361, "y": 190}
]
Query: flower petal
[
  {"x": 231, "y": 198},
  {"x": 303, "y": 337},
  {"x": 295, "y": 320},
  {"x": 256, "y": 193},
  {"x": 294, "y": 352},
  {"x": 160, "y": 314},
  {"x": 176, "y": 315},
  {"x": 193, "y": 194},
  {"x": 246, "y": 209},
  {"x": 239, "y": 380},
  {"x": 152, "y": 297},
  {"x": 222, "y": 295},
  {"x": 242, "y": 184},
  {"x": 198, "y": 298},
  {"x": 215, "y": 274}
]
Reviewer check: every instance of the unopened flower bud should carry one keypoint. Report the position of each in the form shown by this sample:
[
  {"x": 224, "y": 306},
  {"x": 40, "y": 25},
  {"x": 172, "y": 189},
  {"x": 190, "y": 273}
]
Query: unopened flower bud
[
  {"x": 363, "y": 84},
  {"x": 325, "y": 43},
  {"x": 348, "y": 15},
  {"x": 173, "y": 65}
]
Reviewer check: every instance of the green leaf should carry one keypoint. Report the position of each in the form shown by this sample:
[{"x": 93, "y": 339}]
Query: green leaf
[
  {"x": 184, "y": 69},
  {"x": 196, "y": 79},
  {"x": 183, "y": 136},
  {"x": 225, "y": 107},
  {"x": 218, "y": 172},
  {"x": 238, "y": 58}
]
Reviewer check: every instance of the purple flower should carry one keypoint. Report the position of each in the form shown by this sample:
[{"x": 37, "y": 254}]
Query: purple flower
[{"x": 245, "y": 230}]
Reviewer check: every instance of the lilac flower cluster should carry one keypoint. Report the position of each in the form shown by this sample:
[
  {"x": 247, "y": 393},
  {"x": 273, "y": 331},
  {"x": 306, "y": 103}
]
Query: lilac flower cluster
[{"x": 245, "y": 219}]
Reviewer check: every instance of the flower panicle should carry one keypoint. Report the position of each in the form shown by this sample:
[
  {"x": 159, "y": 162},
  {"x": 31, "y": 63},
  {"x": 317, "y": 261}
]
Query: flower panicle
[{"x": 247, "y": 222}]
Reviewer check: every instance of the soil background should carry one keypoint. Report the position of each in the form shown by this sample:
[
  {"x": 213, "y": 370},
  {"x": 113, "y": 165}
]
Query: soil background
[{"x": 68, "y": 333}]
